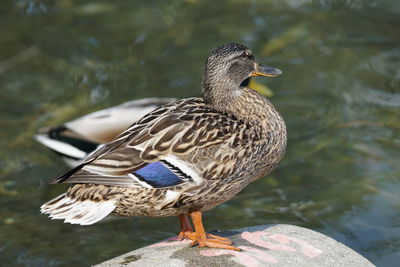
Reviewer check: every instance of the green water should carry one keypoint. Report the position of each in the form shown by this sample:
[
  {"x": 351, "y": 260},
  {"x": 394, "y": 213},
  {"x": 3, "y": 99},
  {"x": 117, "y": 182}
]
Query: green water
[{"x": 339, "y": 95}]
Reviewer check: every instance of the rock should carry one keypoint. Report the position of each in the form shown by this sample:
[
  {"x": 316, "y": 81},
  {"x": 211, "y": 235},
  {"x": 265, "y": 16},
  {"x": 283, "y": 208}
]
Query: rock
[{"x": 267, "y": 245}]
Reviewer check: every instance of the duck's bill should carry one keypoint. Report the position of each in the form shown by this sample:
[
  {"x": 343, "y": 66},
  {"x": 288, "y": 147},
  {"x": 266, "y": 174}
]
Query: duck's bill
[{"x": 266, "y": 71}]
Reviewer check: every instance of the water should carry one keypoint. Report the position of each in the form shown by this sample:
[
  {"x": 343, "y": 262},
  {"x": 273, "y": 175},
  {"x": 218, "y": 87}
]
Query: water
[{"x": 339, "y": 95}]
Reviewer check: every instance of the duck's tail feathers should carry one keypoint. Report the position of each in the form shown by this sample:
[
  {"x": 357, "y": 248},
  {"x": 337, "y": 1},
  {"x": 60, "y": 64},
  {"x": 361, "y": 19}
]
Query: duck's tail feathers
[{"x": 75, "y": 211}]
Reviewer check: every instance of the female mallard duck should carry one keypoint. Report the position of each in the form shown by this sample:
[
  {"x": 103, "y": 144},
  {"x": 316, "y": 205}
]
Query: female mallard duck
[
  {"x": 76, "y": 139},
  {"x": 185, "y": 157}
]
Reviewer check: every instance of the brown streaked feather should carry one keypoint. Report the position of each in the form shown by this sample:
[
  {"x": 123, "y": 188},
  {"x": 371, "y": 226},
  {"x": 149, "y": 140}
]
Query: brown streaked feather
[
  {"x": 120, "y": 161},
  {"x": 86, "y": 177},
  {"x": 164, "y": 123}
]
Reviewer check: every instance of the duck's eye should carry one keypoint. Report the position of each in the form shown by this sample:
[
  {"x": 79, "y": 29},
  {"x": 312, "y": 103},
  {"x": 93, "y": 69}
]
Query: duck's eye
[{"x": 246, "y": 53}]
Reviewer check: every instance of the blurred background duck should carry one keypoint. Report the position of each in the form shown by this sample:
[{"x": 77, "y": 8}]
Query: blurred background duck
[
  {"x": 75, "y": 140},
  {"x": 185, "y": 157}
]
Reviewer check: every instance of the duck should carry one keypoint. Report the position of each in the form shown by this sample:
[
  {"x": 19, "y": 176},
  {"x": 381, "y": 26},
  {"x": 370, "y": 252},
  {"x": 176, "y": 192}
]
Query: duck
[
  {"x": 185, "y": 157},
  {"x": 74, "y": 140}
]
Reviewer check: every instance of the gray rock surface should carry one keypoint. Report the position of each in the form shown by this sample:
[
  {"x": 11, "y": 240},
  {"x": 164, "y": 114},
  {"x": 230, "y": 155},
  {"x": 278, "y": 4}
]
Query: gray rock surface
[{"x": 267, "y": 245}]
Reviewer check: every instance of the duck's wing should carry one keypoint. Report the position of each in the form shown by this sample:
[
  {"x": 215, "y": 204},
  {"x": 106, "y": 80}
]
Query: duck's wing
[{"x": 151, "y": 152}]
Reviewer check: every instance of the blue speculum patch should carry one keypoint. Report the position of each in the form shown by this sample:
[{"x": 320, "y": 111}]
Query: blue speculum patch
[{"x": 157, "y": 175}]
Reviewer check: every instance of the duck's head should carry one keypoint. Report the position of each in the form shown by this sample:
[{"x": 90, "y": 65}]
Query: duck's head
[{"x": 227, "y": 67}]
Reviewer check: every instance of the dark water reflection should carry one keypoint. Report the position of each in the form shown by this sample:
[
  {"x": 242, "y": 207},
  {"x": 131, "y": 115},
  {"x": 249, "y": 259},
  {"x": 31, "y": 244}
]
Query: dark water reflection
[{"x": 339, "y": 95}]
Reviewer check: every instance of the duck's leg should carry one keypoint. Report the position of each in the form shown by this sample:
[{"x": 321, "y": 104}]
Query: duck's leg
[
  {"x": 207, "y": 240},
  {"x": 186, "y": 228}
]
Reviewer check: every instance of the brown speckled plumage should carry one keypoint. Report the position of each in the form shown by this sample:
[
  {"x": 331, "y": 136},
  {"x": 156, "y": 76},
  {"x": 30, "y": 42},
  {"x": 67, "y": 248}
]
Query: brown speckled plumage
[{"x": 217, "y": 145}]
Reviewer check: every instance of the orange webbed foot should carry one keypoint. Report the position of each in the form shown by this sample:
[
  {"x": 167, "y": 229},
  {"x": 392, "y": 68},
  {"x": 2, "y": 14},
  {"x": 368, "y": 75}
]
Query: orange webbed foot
[
  {"x": 213, "y": 240},
  {"x": 186, "y": 229},
  {"x": 203, "y": 239},
  {"x": 186, "y": 235}
]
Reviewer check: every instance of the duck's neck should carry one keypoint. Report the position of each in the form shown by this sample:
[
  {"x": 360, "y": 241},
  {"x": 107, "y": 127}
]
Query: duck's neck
[
  {"x": 218, "y": 94},
  {"x": 241, "y": 102}
]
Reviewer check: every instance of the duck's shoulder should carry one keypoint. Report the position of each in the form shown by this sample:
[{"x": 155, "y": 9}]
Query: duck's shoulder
[
  {"x": 178, "y": 107},
  {"x": 187, "y": 113}
]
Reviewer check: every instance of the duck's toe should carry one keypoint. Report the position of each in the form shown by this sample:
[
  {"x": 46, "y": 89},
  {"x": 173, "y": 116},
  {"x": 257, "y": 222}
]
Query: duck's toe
[
  {"x": 218, "y": 237},
  {"x": 215, "y": 243}
]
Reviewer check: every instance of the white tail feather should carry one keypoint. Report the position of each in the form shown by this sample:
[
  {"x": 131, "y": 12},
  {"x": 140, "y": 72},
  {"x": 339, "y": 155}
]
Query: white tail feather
[
  {"x": 60, "y": 147},
  {"x": 77, "y": 212}
]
